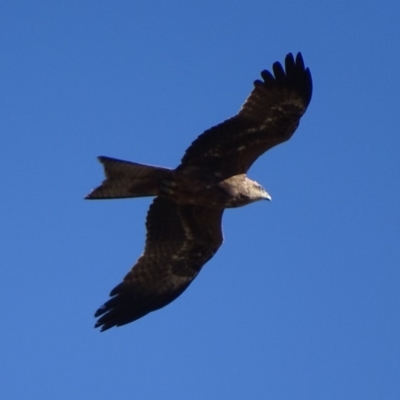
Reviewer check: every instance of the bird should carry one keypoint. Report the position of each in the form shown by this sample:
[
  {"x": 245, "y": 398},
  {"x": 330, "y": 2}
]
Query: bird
[{"x": 184, "y": 220}]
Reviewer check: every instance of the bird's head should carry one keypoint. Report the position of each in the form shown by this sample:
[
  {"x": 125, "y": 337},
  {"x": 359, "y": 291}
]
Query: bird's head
[{"x": 240, "y": 190}]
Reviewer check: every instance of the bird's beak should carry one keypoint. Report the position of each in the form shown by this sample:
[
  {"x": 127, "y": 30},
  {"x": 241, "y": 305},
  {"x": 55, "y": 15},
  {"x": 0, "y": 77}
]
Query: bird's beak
[{"x": 267, "y": 196}]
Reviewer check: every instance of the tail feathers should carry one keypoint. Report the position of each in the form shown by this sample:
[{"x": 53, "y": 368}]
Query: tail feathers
[{"x": 127, "y": 179}]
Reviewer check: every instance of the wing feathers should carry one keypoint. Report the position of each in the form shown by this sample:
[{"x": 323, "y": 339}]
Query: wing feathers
[
  {"x": 269, "y": 116},
  {"x": 279, "y": 73},
  {"x": 180, "y": 240},
  {"x": 268, "y": 78}
]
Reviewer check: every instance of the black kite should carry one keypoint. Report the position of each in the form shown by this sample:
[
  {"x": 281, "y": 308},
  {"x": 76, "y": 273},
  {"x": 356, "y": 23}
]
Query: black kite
[{"x": 184, "y": 221}]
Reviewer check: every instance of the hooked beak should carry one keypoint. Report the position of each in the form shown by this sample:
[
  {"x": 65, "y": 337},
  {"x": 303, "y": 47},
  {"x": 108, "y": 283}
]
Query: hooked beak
[{"x": 266, "y": 196}]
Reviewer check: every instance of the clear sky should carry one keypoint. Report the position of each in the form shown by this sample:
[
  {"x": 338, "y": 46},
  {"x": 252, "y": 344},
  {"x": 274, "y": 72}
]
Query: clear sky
[{"x": 302, "y": 300}]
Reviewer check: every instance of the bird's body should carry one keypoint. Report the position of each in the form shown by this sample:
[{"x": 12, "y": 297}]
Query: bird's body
[
  {"x": 184, "y": 221},
  {"x": 182, "y": 186}
]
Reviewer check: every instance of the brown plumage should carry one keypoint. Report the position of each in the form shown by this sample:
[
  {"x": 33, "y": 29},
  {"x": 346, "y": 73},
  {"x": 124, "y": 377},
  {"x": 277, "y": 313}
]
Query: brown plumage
[{"x": 184, "y": 221}]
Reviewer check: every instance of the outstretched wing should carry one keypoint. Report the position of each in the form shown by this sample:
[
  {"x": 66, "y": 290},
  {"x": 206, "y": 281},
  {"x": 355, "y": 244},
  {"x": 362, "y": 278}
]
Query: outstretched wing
[
  {"x": 180, "y": 240},
  {"x": 269, "y": 116}
]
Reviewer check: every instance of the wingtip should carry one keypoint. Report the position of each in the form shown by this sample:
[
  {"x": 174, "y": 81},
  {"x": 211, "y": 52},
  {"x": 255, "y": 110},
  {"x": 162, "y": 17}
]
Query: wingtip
[
  {"x": 289, "y": 58},
  {"x": 299, "y": 60},
  {"x": 299, "y": 74},
  {"x": 293, "y": 67},
  {"x": 100, "y": 311},
  {"x": 101, "y": 326},
  {"x": 101, "y": 323}
]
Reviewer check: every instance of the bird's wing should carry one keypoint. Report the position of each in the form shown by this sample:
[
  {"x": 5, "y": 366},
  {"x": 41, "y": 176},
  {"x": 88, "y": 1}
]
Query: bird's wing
[
  {"x": 269, "y": 116},
  {"x": 180, "y": 240}
]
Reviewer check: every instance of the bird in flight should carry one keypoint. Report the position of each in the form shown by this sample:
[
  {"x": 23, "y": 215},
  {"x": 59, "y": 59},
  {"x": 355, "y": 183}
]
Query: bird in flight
[{"x": 184, "y": 220}]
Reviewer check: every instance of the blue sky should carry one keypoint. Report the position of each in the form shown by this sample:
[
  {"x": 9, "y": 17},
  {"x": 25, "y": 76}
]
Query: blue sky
[{"x": 302, "y": 300}]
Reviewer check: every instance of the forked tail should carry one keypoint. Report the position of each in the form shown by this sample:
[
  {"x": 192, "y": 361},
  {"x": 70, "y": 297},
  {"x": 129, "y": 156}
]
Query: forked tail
[{"x": 127, "y": 179}]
